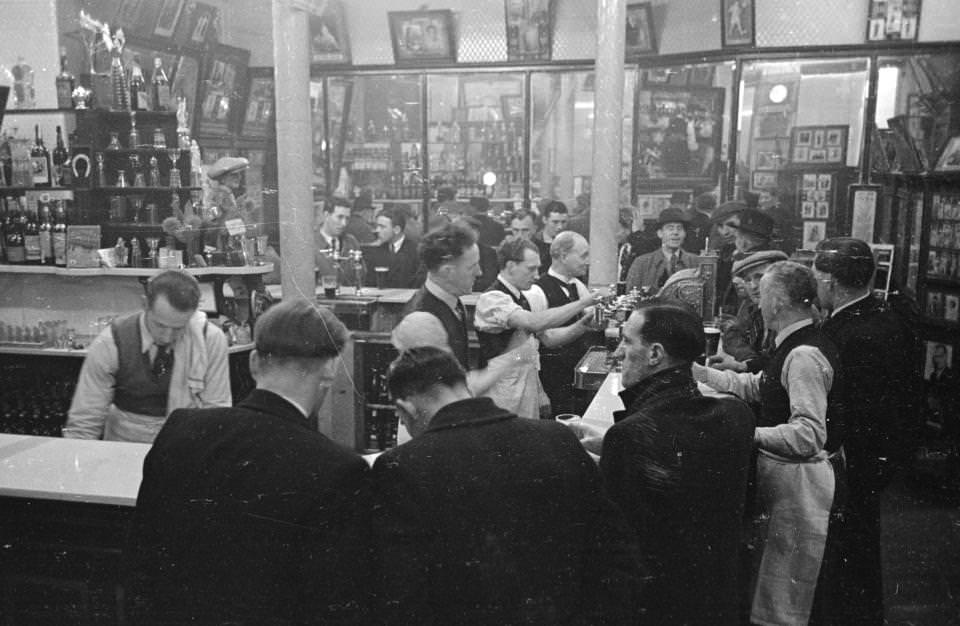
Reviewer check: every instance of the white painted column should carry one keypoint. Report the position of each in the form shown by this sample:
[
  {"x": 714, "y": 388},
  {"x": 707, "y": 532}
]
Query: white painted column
[
  {"x": 607, "y": 127},
  {"x": 294, "y": 163}
]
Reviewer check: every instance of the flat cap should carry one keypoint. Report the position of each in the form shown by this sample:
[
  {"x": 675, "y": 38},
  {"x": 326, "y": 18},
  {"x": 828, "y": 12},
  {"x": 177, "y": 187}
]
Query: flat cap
[
  {"x": 756, "y": 222},
  {"x": 762, "y": 257},
  {"x": 298, "y": 328},
  {"x": 725, "y": 210},
  {"x": 671, "y": 215},
  {"x": 227, "y": 165}
]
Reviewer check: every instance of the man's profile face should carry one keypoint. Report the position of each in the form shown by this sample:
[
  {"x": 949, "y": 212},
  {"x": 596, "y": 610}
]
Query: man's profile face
[
  {"x": 165, "y": 323},
  {"x": 577, "y": 260},
  {"x": 633, "y": 353},
  {"x": 751, "y": 281},
  {"x": 335, "y": 222},
  {"x": 672, "y": 235},
  {"x": 523, "y": 273},
  {"x": 384, "y": 229},
  {"x": 522, "y": 228},
  {"x": 555, "y": 224},
  {"x": 463, "y": 270}
]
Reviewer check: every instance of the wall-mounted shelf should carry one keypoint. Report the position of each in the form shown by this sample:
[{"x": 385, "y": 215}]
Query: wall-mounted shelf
[{"x": 219, "y": 270}]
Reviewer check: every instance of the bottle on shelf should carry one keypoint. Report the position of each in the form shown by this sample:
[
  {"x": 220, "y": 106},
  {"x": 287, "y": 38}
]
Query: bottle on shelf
[
  {"x": 13, "y": 233},
  {"x": 59, "y": 235},
  {"x": 39, "y": 160},
  {"x": 65, "y": 83},
  {"x": 138, "y": 87},
  {"x": 160, "y": 87},
  {"x": 61, "y": 173},
  {"x": 31, "y": 237},
  {"x": 46, "y": 235}
]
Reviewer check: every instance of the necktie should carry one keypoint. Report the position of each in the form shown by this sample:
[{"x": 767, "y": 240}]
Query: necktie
[
  {"x": 572, "y": 294},
  {"x": 673, "y": 263},
  {"x": 163, "y": 362},
  {"x": 461, "y": 311}
]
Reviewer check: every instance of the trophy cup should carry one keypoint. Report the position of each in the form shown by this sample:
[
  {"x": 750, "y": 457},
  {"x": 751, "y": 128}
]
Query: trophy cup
[
  {"x": 154, "y": 244},
  {"x": 174, "y": 154}
]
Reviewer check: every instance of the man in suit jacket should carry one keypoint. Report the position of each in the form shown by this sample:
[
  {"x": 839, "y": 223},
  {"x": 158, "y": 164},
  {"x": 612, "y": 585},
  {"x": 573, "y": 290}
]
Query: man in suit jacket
[
  {"x": 333, "y": 245},
  {"x": 677, "y": 463},
  {"x": 247, "y": 514},
  {"x": 488, "y": 518},
  {"x": 652, "y": 270},
  {"x": 452, "y": 261},
  {"x": 880, "y": 402},
  {"x": 394, "y": 251}
]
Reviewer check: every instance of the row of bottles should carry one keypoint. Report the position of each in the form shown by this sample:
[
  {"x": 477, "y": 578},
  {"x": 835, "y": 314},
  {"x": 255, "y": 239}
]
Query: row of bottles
[
  {"x": 33, "y": 234},
  {"x": 31, "y": 405},
  {"x": 140, "y": 94},
  {"x": 36, "y": 166}
]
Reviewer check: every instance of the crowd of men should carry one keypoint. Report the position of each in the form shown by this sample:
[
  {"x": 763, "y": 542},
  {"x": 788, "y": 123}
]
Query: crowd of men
[{"x": 744, "y": 489}]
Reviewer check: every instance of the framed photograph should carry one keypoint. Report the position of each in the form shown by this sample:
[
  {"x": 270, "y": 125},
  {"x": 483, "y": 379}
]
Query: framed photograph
[
  {"x": 834, "y": 154},
  {"x": 813, "y": 233},
  {"x": 763, "y": 180},
  {"x": 738, "y": 23},
  {"x": 258, "y": 114},
  {"x": 185, "y": 82},
  {"x": 800, "y": 154},
  {"x": 834, "y": 137},
  {"x": 893, "y": 21},
  {"x": 819, "y": 138},
  {"x": 949, "y": 160},
  {"x": 198, "y": 25},
  {"x": 804, "y": 137},
  {"x": 822, "y": 210},
  {"x": 640, "y": 37},
  {"x": 819, "y": 144},
  {"x": 420, "y": 37},
  {"x": 329, "y": 44},
  {"x": 939, "y": 358},
  {"x": 678, "y": 132},
  {"x": 648, "y": 206},
  {"x": 223, "y": 84},
  {"x": 951, "y": 308},
  {"x": 809, "y": 181},
  {"x": 817, "y": 155},
  {"x": 529, "y": 29},
  {"x": 824, "y": 181},
  {"x": 167, "y": 18},
  {"x": 808, "y": 210}
]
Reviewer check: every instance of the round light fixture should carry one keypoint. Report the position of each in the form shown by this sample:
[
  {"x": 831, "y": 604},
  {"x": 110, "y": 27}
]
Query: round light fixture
[
  {"x": 489, "y": 179},
  {"x": 778, "y": 93}
]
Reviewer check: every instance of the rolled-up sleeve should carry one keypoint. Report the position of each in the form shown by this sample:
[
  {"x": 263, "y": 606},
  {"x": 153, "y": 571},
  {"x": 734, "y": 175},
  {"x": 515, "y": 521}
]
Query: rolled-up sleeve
[
  {"x": 807, "y": 376},
  {"x": 216, "y": 388},
  {"x": 744, "y": 385},
  {"x": 493, "y": 311},
  {"x": 95, "y": 389}
]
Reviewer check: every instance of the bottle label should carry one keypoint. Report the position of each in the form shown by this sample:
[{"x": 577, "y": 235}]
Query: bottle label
[
  {"x": 41, "y": 173},
  {"x": 15, "y": 252},
  {"x": 59, "y": 248},
  {"x": 46, "y": 246},
  {"x": 31, "y": 244}
]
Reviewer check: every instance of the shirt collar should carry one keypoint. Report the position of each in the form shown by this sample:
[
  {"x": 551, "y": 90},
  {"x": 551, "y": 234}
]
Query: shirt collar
[
  {"x": 562, "y": 279},
  {"x": 510, "y": 286},
  {"x": 396, "y": 244},
  {"x": 851, "y": 303},
  {"x": 146, "y": 339},
  {"x": 448, "y": 298},
  {"x": 667, "y": 254},
  {"x": 299, "y": 406},
  {"x": 789, "y": 330}
]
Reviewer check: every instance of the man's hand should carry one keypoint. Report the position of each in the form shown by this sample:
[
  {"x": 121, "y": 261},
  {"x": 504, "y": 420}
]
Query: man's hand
[{"x": 726, "y": 362}]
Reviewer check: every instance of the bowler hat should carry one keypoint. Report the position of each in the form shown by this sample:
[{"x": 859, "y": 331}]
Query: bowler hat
[
  {"x": 725, "y": 210},
  {"x": 761, "y": 257},
  {"x": 672, "y": 215},
  {"x": 756, "y": 222},
  {"x": 227, "y": 165}
]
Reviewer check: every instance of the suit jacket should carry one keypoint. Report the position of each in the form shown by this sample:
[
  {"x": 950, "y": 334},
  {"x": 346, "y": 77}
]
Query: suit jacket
[
  {"x": 651, "y": 269},
  {"x": 246, "y": 515},
  {"x": 488, "y": 518},
  {"x": 677, "y": 462},
  {"x": 403, "y": 264}
]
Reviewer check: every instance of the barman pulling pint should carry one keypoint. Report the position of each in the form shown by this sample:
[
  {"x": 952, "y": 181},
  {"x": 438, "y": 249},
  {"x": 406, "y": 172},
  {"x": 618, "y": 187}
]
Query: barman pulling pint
[{"x": 145, "y": 365}]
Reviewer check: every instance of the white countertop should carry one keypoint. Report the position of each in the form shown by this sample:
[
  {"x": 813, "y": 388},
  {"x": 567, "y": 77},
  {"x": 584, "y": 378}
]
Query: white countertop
[{"x": 72, "y": 470}]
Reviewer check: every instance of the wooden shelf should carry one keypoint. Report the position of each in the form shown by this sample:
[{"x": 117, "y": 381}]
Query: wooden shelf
[
  {"x": 69, "y": 352},
  {"x": 136, "y": 272}
]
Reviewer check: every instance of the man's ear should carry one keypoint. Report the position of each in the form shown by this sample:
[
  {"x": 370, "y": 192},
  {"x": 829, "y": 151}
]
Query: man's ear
[
  {"x": 407, "y": 407},
  {"x": 656, "y": 354},
  {"x": 254, "y": 363}
]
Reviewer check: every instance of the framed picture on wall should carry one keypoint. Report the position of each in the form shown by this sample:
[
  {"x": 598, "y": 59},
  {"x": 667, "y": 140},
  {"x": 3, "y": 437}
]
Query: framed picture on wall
[
  {"x": 185, "y": 82},
  {"x": 529, "y": 29},
  {"x": 259, "y": 111},
  {"x": 893, "y": 21},
  {"x": 167, "y": 18},
  {"x": 813, "y": 233},
  {"x": 738, "y": 23},
  {"x": 422, "y": 36},
  {"x": 329, "y": 44},
  {"x": 199, "y": 23},
  {"x": 949, "y": 160},
  {"x": 640, "y": 36},
  {"x": 223, "y": 84}
]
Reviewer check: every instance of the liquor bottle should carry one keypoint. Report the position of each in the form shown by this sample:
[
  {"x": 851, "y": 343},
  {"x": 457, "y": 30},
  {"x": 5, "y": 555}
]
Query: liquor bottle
[
  {"x": 39, "y": 160},
  {"x": 13, "y": 232},
  {"x": 65, "y": 83},
  {"x": 138, "y": 87},
  {"x": 46, "y": 235},
  {"x": 31, "y": 237},
  {"x": 160, "y": 85},
  {"x": 61, "y": 172},
  {"x": 59, "y": 235}
]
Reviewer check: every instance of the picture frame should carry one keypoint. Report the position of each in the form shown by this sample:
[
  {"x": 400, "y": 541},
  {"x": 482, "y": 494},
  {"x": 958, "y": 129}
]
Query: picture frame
[
  {"x": 185, "y": 82},
  {"x": 760, "y": 179},
  {"x": 329, "y": 41},
  {"x": 823, "y": 145},
  {"x": 930, "y": 350},
  {"x": 808, "y": 210},
  {"x": 640, "y": 37},
  {"x": 738, "y": 23},
  {"x": 221, "y": 92},
  {"x": 813, "y": 233},
  {"x": 167, "y": 18},
  {"x": 529, "y": 26},
  {"x": 822, "y": 210},
  {"x": 949, "y": 160},
  {"x": 893, "y": 21},
  {"x": 260, "y": 107},
  {"x": 663, "y": 156},
  {"x": 422, "y": 37},
  {"x": 863, "y": 210},
  {"x": 199, "y": 25}
]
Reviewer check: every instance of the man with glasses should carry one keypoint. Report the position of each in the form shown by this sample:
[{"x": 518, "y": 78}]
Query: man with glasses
[
  {"x": 452, "y": 260},
  {"x": 145, "y": 365},
  {"x": 248, "y": 514}
]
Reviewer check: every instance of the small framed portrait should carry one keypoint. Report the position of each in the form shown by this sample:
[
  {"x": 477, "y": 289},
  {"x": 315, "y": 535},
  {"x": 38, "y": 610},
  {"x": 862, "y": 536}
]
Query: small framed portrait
[
  {"x": 938, "y": 361},
  {"x": 819, "y": 138},
  {"x": 834, "y": 154},
  {"x": 809, "y": 181},
  {"x": 258, "y": 115},
  {"x": 223, "y": 85},
  {"x": 834, "y": 137},
  {"x": 804, "y": 137},
  {"x": 822, "y": 210},
  {"x": 764, "y": 180},
  {"x": 199, "y": 24},
  {"x": 329, "y": 44},
  {"x": 801, "y": 154},
  {"x": 813, "y": 233},
  {"x": 640, "y": 36},
  {"x": 863, "y": 200},
  {"x": 807, "y": 210},
  {"x": 818, "y": 155},
  {"x": 167, "y": 18},
  {"x": 951, "y": 308},
  {"x": 824, "y": 181},
  {"x": 893, "y": 21},
  {"x": 530, "y": 29},
  {"x": 737, "y": 23},
  {"x": 949, "y": 160},
  {"x": 421, "y": 37}
]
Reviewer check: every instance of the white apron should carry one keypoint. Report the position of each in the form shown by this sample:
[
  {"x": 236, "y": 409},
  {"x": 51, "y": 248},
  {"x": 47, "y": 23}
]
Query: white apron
[{"x": 519, "y": 389}]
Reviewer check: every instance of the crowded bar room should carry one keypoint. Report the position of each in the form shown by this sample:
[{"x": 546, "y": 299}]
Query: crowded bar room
[{"x": 488, "y": 312}]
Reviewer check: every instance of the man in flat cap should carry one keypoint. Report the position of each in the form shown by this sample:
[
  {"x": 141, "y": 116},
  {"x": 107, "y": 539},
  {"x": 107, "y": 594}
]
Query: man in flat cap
[
  {"x": 226, "y": 179},
  {"x": 652, "y": 270},
  {"x": 754, "y": 232},
  {"x": 248, "y": 514}
]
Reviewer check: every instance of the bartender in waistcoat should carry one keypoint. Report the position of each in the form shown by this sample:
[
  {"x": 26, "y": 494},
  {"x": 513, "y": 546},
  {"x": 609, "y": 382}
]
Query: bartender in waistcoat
[{"x": 561, "y": 285}]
